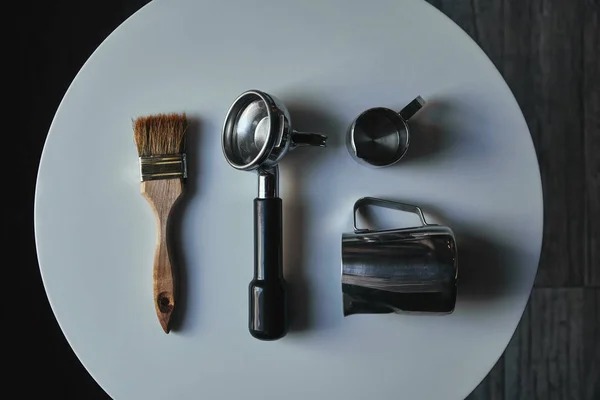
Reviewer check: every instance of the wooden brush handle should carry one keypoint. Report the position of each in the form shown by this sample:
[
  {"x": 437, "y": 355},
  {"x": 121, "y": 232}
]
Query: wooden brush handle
[{"x": 162, "y": 195}]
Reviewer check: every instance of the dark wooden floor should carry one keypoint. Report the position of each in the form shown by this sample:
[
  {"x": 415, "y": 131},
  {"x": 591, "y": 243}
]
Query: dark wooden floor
[{"x": 549, "y": 53}]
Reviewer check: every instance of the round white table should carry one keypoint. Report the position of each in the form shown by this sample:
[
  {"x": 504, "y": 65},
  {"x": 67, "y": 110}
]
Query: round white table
[{"x": 471, "y": 166}]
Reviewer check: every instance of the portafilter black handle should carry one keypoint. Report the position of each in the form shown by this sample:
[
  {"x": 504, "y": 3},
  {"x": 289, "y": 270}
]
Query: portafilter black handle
[{"x": 268, "y": 319}]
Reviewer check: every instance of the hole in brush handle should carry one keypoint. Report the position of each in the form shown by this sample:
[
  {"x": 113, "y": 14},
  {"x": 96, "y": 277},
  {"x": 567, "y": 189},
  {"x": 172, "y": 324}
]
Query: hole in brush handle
[{"x": 164, "y": 302}]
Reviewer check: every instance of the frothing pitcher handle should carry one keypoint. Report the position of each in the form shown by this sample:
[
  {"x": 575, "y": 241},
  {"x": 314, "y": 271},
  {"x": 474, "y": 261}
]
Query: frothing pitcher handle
[
  {"x": 394, "y": 205},
  {"x": 268, "y": 319},
  {"x": 308, "y": 139},
  {"x": 412, "y": 108}
]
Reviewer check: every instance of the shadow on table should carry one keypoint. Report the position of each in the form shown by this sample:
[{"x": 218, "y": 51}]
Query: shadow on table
[
  {"x": 302, "y": 304},
  {"x": 486, "y": 268}
]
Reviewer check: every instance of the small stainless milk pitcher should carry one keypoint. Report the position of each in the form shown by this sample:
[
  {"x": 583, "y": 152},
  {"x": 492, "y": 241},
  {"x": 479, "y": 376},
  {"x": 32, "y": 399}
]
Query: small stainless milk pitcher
[
  {"x": 407, "y": 270},
  {"x": 379, "y": 137}
]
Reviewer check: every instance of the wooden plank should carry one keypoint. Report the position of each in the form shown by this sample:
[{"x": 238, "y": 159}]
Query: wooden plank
[
  {"x": 488, "y": 23},
  {"x": 545, "y": 358},
  {"x": 591, "y": 109},
  {"x": 518, "y": 374},
  {"x": 591, "y": 344}
]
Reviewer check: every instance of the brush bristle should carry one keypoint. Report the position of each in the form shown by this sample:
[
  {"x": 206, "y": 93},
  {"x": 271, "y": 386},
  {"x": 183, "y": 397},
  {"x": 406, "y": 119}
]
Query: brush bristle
[{"x": 160, "y": 134}]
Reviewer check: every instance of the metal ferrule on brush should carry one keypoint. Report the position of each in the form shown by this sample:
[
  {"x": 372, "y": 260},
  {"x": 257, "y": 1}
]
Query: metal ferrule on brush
[{"x": 169, "y": 166}]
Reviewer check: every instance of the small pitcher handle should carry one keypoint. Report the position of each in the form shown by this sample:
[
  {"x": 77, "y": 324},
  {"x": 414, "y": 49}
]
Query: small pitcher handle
[{"x": 411, "y": 108}]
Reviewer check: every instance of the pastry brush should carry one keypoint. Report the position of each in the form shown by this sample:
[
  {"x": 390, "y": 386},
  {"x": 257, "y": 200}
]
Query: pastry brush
[{"x": 160, "y": 141}]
